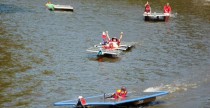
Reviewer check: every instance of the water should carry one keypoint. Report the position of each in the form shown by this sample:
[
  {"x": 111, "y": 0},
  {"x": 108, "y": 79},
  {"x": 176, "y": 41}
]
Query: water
[{"x": 44, "y": 59}]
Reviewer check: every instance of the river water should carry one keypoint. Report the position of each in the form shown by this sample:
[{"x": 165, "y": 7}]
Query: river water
[{"x": 44, "y": 59}]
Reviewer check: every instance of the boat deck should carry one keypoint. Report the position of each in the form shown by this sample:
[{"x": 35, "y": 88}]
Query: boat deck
[
  {"x": 101, "y": 100},
  {"x": 156, "y": 16},
  {"x": 63, "y": 8}
]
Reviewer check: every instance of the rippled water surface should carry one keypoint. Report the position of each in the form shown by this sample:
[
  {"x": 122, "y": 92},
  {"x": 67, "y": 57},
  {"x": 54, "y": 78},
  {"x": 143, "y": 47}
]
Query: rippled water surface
[{"x": 44, "y": 59}]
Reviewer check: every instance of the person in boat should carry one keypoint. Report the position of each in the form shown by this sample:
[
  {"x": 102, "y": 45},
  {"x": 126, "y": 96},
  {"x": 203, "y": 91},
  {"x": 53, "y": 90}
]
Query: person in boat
[
  {"x": 147, "y": 8},
  {"x": 49, "y": 5},
  {"x": 104, "y": 37},
  {"x": 167, "y": 9},
  {"x": 114, "y": 42},
  {"x": 81, "y": 102},
  {"x": 120, "y": 93}
]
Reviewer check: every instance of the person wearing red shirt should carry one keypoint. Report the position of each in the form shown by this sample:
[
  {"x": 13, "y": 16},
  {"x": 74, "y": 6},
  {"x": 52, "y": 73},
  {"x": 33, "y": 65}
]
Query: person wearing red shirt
[
  {"x": 113, "y": 42},
  {"x": 120, "y": 93},
  {"x": 167, "y": 8},
  {"x": 81, "y": 102},
  {"x": 147, "y": 8}
]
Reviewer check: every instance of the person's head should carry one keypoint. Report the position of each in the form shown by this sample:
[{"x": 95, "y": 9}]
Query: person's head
[
  {"x": 103, "y": 33},
  {"x": 80, "y": 97},
  {"x": 49, "y": 2},
  {"x": 167, "y": 4},
  {"x": 123, "y": 88},
  {"x": 114, "y": 39}
]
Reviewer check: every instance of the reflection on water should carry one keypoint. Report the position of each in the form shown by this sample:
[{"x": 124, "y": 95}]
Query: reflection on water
[{"x": 106, "y": 58}]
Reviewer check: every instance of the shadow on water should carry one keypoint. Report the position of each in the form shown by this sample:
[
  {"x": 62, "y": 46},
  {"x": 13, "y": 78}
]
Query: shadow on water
[
  {"x": 147, "y": 105},
  {"x": 108, "y": 57},
  {"x": 9, "y": 8},
  {"x": 104, "y": 58}
]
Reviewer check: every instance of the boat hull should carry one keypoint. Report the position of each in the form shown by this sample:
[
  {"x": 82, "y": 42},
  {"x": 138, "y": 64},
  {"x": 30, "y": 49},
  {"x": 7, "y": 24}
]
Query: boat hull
[
  {"x": 133, "y": 98},
  {"x": 156, "y": 16}
]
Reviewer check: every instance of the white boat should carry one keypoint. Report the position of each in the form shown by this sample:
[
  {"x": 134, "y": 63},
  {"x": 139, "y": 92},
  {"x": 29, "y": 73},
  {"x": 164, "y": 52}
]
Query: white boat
[
  {"x": 54, "y": 7},
  {"x": 133, "y": 98},
  {"x": 156, "y": 16},
  {"x": 102, "y": 50},
  {"x": 63, "y": 8}
]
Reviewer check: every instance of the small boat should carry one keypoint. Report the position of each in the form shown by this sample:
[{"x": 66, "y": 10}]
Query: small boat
[
  {"x": 54, "y": 7},
  {"x": 63, "y": 8},
  {"x": 156, "y": 16},
  {"x": 104, "y": 100},
  {"x": 103, "y": 50}
]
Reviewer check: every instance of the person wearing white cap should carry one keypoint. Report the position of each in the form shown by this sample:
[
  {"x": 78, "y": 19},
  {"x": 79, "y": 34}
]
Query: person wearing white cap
[
  {"x": 105, "y": 38},
  {"x": 81, "y": 102}
]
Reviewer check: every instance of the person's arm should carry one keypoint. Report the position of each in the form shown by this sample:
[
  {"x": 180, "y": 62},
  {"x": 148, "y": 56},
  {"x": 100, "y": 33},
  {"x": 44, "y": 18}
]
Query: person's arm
[
  {"x": 121, "y": 35},
  {"x": 146, "y": 3},
  {"x": 107, "y": 34}
]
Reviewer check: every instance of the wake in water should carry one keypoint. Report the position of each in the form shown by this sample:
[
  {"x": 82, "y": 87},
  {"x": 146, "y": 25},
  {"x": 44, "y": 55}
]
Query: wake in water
[{"x": 176, "y": 87}]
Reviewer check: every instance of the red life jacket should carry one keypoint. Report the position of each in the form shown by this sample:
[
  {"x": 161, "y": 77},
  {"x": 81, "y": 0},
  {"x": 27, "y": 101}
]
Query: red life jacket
[
  {"x": 103, "y": 36},
  {"x": 147, "y": 8},
  {"x": 83, "y": 101},
  {"x": 123, "y": 94},
  {"x": 117, "y": 94},
  {"x": 120, "y": 93},
  {"x": 167, "y": 9}
]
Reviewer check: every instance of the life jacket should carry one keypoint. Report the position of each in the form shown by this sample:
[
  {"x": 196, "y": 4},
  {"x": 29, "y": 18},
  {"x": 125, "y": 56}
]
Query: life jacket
[
  {"x": 117, "y": 94},
  {"x": 103, "y": 36},
  {"x": 123, "y": 94},
  {"x": 167, "y": 9},
  {"x": 83, "y": 101},
  {"x": 120, "y": 93},
  {"x": 147, "y": 8}
]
